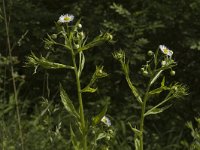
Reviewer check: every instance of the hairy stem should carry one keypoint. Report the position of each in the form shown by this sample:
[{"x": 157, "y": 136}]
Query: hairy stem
[
  {"x": 13, "y": 78},
  {"x": 146, "y": 96},
  {"x": 82, "y": 118}
]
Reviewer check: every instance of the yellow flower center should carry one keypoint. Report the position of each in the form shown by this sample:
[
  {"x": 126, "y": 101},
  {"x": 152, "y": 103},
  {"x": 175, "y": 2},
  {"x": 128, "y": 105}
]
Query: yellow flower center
[
  {"x": 165, "y": 51},
  {"x": 67, "y": 18}
]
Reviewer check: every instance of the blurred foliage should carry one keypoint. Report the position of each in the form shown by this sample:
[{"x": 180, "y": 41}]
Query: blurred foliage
[{"x": 136, "y": 25}]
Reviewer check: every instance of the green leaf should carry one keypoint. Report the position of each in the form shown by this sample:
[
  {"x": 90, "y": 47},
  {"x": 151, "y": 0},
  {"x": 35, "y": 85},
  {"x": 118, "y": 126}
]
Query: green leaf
[
  {"x": 75, "y": 142},
  {"x": 101, "y": 136},
  {"x": 67, "y": 102},
  {"x": 154, "y": 111},
  {"x": 97, "y": 119},
  {"x": 156, "y": 77},
  {"x": 89, "y": 89},
  {"x": 133, "y": 89},
  {"x": 163, "y": 82},
  {"x": 136, "y": 131},
  {"x": 34, "y": 61},
  {"x": 81, "y": 63},
  {"x": 137, "y": 144},
  {"x": 156, "y": 91},
  {"x": 98, "y": 40}
]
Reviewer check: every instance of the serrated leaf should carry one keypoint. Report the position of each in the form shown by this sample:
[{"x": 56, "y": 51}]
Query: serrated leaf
[
  {"x": 34, "y": 61},
  {"x": 68, "y": 103},
  {"x": 97, "y": 119},
  {"x": 156, "y": 110},
  {"x": 89, "y": 90}
]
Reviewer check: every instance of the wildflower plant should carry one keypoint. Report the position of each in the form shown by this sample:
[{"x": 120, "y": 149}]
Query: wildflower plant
[
  {"x": 72, "y": 38},
  {"x": 154, "y": 69}
]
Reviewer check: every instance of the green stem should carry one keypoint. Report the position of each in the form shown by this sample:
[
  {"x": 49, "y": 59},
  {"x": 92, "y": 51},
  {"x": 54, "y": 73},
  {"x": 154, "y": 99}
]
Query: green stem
[
  {"x": 167, "y": 98},
  {"x": 13, "y": 78},
  {"x": 143, "y": 116},
  {"x": 83, "y": 126}
]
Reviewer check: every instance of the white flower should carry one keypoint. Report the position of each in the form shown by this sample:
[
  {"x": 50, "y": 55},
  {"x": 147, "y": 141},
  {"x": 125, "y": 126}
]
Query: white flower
[
  {"x": 66, "y": 18},
  {"x": 165, "y": 50},
  {"x": 106, "y": 120}
]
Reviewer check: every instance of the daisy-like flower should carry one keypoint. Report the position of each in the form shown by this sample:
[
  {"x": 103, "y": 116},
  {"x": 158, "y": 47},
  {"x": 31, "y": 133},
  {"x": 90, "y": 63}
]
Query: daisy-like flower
[
  {"x": 106, "y": 121},
  {"x": 165, "y": 50},
  {"x": 66, "y": 18}
]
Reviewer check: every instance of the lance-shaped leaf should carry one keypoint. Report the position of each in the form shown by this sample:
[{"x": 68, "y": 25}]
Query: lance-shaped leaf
[
  {"x": 163, "y": 82},
  {"x": 81, "y": 63},
  {"x": 89, "y": 89},
  {"x": 125, "y": 67},
  {"x": 155, "y": 110},
  {"x": 33, "y": 61},
  {"x": 97, "y": 119},
  {"x": 156, "y": 77},
  {"x": 102, "y": 38},
  {"x": 67, "y": 103},
  {"x": 133, "y": 89},
  {"x": 156, "y": 91}
]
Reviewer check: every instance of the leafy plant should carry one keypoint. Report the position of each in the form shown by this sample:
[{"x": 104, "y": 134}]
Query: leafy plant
[
  {"x": 74, "y": 41},
  {"x": 195, "y": 132},
  {"x": 153, "y": 70}
]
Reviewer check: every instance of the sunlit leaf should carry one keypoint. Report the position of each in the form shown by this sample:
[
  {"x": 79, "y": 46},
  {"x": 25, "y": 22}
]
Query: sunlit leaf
[
  {"x": 67, "y": 102},
  {"x": 89, "y": 90},
  {"x": 156, "y": 110}
]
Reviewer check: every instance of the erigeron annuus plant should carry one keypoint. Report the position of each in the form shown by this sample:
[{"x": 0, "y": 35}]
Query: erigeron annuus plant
[
  {"x": 154, "y": 69},
  {"x": 73, "y": 39}
]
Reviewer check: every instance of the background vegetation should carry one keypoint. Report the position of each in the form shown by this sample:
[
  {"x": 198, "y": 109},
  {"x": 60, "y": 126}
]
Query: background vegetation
[{"x": 137, "y": 26}]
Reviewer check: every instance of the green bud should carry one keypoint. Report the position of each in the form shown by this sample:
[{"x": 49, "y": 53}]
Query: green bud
[
  {"x": 76, "y": 46},
  {"x": 163, "y": 63},
  {"x": 150, "y": 53},
  {"x": 119, "y": 55},
  {"x": 142, "y": 69},
  {"x": 80, "y": 25},
  {"x": 145, "y": 73},
  {"x": 172, "y": 73},
  {"x": 54, "y": 36},
  {"x": 82, "y": 35},
  {"x": 108, "y": 36}
]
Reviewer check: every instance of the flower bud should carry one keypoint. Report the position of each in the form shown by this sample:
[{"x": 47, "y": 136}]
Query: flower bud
[
  {"x": 145, "y": 73},
  {"x": 108, "y": 36},
  {"x": 54, "y": 36},
  {"x": 150, "y": 53},
  {"x": 172, "y": 73},
  {"x": 80, "y": 25},
  {"x": 163, "y": 63},
  {"x": 82, "y": 35},
  {"x": 142, "y": 69},
  {"x": 76, "y": 46}
]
